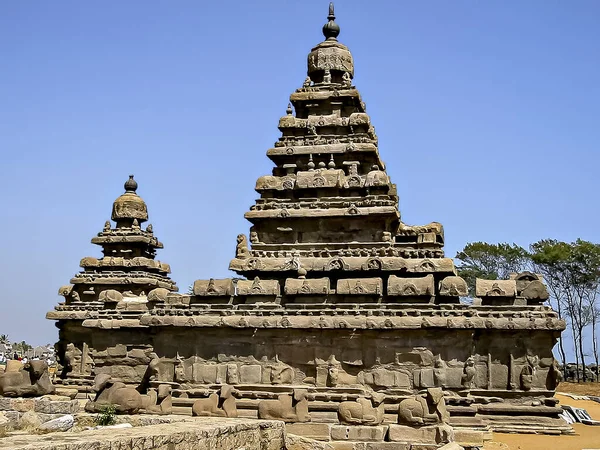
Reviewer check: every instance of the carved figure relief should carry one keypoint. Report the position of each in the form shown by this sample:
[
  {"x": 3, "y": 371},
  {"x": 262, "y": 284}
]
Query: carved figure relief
[
  {"x": 160, "y": 400},
  {"x": 217, "y": 405},
  {"x": 26, "y": 380},
  {"x": 419, "y": 410},
  {"x": 363, "y": 411},
  {"x": 468, "y": 377},
  {"x": 241, "y": 250},
  {"x": 289, "y": 408},
  {"x": 108, "y": 392}
]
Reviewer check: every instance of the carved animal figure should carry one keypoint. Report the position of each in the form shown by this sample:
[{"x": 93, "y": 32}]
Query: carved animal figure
[
  {"x": 241, "y": 249},
  {"x": 160, "y": 400},
  {"x": 30, "y": 380},
  {"x": 220, "y": 405},
  {"x": 421, "y": 410},
  {"x": 289, "y": 408},
  {"x": 108, "y": 392},
  {"x": 363, "y": 411},
  {"x": 336, "y": 376}
]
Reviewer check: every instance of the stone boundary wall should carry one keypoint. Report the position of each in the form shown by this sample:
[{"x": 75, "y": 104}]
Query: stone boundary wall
[
  {"x": 197, "y": 434},
  {"x": 47, "y": 407}
]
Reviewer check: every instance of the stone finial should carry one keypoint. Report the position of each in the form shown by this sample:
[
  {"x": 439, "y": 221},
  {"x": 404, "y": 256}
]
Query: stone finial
[
  {"x": 131, "y": 185},
  {"x": 331, "y": 163},
  {"x": 311, "y": 163},
  {"x": 331, "y": 30},
  {"x": 289, "y": 109}
]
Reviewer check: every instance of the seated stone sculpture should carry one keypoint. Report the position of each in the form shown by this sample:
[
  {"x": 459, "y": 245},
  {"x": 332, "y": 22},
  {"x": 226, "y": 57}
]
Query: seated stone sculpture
[
  {"x": 160, "y": 400},
  {"x": 219, "y": 405},
  {"x": 363, "y": 411},
  {"x": 29, "y": 380},
  {"x": 108, "y": 392},
  {"x": 289, "y": 408},
  {"x": 420, "y": 410}
]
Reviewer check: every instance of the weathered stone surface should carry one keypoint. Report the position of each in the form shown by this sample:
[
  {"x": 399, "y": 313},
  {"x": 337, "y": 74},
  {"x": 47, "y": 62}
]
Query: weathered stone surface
[
  {"x": 258, "y": 287},
  {"x": 417, "y": 286},
  {"x": 430, "y": 434},
  {"x": 29, "y": 380},
  {"x": 369, "y": 303},
  {"x": 495, "y": 288},
  {"x": 454, "y": 287},
  {"x": 358, "y": 433},
  {"x": 359, "y": 286},
  {"x": 293, "y": 442},
  {"x": 317, "y": 431},
  {"x": 63, "y": 423},
  {"x": 214, "y": 287},
  {"x": 198, "y": 433},
  {"x": 295, "y": 286}
]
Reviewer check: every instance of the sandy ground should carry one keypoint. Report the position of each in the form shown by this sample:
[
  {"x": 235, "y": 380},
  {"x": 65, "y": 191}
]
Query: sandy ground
[
  {"x": 586, "y": 437},
  {"x": 580, "y": 388}
]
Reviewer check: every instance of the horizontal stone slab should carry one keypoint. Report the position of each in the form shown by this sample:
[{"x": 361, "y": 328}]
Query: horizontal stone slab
[
  {"x": 306, "y": 286},
  {"x": 347, "y": 263},
  {"x": 358, "y": 433},
  {"x": 495, "y": 288},
  {"x": 417, "y": 286},
  {"x": 359, "y": 286}
]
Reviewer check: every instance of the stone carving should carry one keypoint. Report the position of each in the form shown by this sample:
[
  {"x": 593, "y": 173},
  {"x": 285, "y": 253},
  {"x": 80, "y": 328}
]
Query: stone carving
[
  {"x": 358, "y": 283},
  {"x": 346, "y": 79},
  {"x": 421, "y": 286},
  {"x": 495, "y": 288},
  {"x": 468, "y": 377},
  {"x": 160, "y": 400},
  {"x": 526, "y": 377},
  {"x": 454, "y": 287},
  {"x": 110, "y": 296},
  {"x": 258, "y": 287},
  {"x": 364, "y": 411},
  {"x": 212, "y": 287},
  {"x": 359, "y": 286},
  {"x": 307, "y": 82},
  {"x": 126, "y": 400},
  {"x": 241, "y": 249},
  {"x": 289, "y": 408},
  {"x": 26, "y": 380},
  {"x": 530, "y": 286},
  {"x": 158, "y": 295},
  {"x": 281, "y": 373},
  {"x": 217, "y": 405},
  {"x": 318, "y": 286},
  {"x": 421, "y": 410}
]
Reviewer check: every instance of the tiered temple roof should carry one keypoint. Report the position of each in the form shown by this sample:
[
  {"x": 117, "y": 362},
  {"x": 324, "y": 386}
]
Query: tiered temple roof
[{"x": 128, "y": 265}]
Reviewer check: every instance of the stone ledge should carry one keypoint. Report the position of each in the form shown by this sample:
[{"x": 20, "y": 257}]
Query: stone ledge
[{"x": 197, "y": 434}]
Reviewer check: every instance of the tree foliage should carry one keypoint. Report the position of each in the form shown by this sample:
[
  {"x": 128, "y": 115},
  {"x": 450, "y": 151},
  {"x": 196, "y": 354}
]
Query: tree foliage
[
  {"x": 570, "y": 270},
  {"x": 490, "y": 261}
]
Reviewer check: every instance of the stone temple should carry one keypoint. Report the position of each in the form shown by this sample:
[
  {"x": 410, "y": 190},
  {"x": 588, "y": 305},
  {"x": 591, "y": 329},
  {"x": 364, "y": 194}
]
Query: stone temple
[{"x": 343, "y": 321}]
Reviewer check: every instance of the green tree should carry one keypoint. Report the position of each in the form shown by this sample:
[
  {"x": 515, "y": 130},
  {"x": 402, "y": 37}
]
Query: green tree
[
  {"x": 490, "y": 261},
  {"x": 4, "y": 339},
  {"x": 571, "y": 272}
]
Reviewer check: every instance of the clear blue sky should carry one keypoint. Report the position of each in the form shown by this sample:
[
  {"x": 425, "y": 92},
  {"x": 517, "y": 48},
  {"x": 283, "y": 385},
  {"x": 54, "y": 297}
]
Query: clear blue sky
[{"x": 487, "y": 115}]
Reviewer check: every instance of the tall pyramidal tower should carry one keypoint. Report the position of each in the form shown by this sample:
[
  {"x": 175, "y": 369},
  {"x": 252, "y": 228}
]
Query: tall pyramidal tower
[{"x": 336, "y": 300}]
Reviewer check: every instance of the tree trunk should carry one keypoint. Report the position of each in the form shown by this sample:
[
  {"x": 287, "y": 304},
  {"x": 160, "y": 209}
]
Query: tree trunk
[
  {"x": 580, "y": 340},
  {"x": 576, "y": 349}
]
